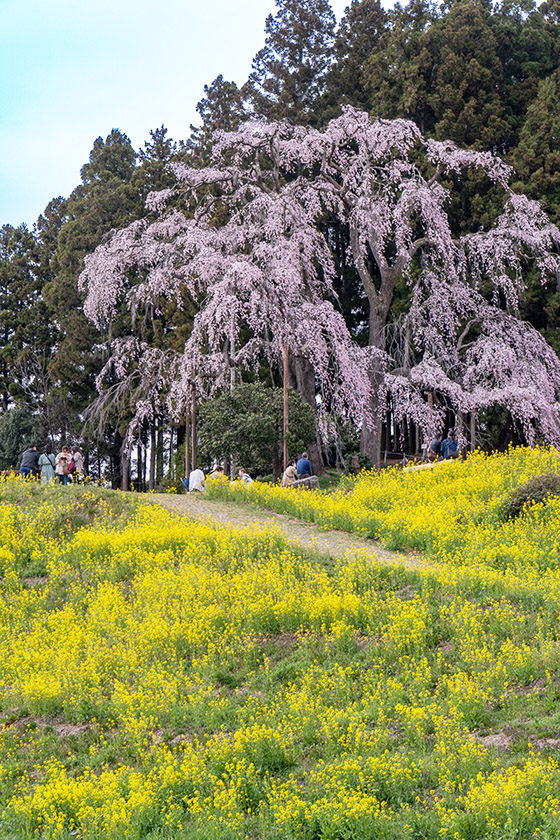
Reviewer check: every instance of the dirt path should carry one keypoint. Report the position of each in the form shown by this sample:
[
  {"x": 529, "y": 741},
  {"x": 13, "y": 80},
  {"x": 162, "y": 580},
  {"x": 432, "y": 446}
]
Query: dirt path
[{"x": 306, "y": 534}]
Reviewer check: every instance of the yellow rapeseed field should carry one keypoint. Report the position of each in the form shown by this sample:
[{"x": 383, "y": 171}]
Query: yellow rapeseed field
[{"x": 162, "y": 678}]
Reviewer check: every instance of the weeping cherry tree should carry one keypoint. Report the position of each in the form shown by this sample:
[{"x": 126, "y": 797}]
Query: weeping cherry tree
[{"x": 246, "y": 244}]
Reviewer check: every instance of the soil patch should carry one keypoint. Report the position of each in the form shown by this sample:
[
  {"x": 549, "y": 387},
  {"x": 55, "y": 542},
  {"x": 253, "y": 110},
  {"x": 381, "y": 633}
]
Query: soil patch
[
  {"x": 59, "y": 727},
  {"x": 499, "y": 740}
]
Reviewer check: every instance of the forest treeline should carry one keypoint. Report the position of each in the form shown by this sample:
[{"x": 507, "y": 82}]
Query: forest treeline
[{"x": 486, "y": 76}]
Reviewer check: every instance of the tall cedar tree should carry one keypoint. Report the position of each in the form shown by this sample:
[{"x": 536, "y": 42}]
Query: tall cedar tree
[
  {"x": 24, "y": 322},
  {"x": 528, "y": 47},
  {"x": 397, "y": 74},
  {"x": 35, "y": 366},
  {"x": 537, "y": 161},
  {"x": 105, "y": 199},
  {"x": 221, "y": 109},
  {"x": 358, "y": 36},
  {"x": 112, "y": 194},
  {"x": 466, "y": 78},
  {"x": 537, "y": 156},
  {"x": 289, "y": 72}
]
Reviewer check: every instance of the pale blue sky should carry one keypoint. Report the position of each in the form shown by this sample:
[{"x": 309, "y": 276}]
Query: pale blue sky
[{"x": 72, "y": 71}]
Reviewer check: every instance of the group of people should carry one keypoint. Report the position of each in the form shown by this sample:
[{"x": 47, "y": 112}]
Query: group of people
[
  {"x": 49, "y": 466},
  {"x": 197, "y": 480},
  {"x": 443, "y": 449},
  {"x": 293, "y": 472},
  {"x": 296, "y": 470}
]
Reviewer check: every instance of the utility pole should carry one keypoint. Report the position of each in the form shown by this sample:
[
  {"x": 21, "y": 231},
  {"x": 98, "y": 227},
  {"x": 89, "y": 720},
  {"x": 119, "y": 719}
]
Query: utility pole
[
  {"x": 187, "y": 432},
  {"x": 285, "y": 430},
  {"x": 193, "y": 429}
]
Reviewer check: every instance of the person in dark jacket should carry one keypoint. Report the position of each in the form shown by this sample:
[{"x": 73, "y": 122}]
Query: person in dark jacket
[
  {"x": 303, "y": 466},
  {"x": 434, "y": 449},
  {"x": 29, "y": 461},
  {"x": 450, "y": 447}
]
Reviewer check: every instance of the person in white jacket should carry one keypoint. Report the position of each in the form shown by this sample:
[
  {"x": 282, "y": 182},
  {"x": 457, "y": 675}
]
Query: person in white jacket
[{"x": 197, "y": 481}]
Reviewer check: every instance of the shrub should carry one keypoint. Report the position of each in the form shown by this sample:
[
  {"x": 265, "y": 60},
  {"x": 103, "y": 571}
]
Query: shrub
[{"x": 537, "y": 489}]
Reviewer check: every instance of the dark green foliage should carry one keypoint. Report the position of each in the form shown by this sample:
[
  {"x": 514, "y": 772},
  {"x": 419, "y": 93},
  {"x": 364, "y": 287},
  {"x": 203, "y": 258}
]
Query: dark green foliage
[
  {"x": 246, "y": 423},
  {"x": 105, "y": 199},
  {"x": 19, "y": 428},
  {"x": 537, "y": 489},
  {"x": 25, "y": 326},
  {"x": 467, "y": 72},
  {"x": 154, "y": 158},
  {"x": 221, "y": 109},
  {"x": 289, "y": 72},
  {"x": 537, "y": 157},
  {"x": 359, "y": 34},
  {"x": 465, "y": 78},
  {"x": 442, "y": 71},
  {"x": 115, "y": 184},
  {"x": 398, "y": 74}
]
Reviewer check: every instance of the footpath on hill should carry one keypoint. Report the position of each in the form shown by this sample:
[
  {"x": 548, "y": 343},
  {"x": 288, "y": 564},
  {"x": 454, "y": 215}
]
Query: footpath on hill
[{"x": 306, "y": 534}]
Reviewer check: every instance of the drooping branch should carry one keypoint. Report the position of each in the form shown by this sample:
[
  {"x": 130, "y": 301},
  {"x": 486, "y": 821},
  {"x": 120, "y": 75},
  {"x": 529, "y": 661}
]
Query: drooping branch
[{"x": 250, "y": 254}]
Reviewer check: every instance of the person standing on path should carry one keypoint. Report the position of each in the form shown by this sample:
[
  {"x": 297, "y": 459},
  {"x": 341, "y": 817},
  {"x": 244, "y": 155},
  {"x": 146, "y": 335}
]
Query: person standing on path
[
  {"x": 29, "y": 459},
  {"x": 47, "y": 465},
  {"x": 303, "y": 467}
]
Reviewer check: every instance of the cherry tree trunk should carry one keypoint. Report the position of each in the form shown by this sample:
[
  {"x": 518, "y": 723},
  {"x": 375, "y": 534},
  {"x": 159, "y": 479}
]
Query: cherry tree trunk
[
  {"x": 152, "y": 474},
  {"x": 125, "y": 466},
  {"x": 371, "y": 432},
  {"x": 370, "y": 436},
  {"x": 303, "y": 378}
]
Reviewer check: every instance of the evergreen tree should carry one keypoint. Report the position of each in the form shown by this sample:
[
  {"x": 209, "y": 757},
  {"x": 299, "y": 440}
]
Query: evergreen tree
[
  {"x": 358, "y": 36},
  {"x": 537, "y": 157},
  {"x": 528, "y": 47},
  {"x": 153, "y": 172},
  {"x": 289, "y": 72},
  {"x": 105, "y": 199},
  {"x": 19, "y": 428},
  {"x": 221, "y": 109},
  {"x": 537, "y": 161},
  {"x": 24, "y": 321},
  {"x": 466, "y": 78},
  {"x": 397, "y": 75}
]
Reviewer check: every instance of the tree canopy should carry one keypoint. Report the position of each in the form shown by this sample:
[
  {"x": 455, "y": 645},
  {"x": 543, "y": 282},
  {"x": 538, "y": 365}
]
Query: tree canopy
[{"x": 246, "y": 424}]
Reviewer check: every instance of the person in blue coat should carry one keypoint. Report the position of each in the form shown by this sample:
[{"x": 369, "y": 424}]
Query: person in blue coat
[{"x": 303, "y": 466}]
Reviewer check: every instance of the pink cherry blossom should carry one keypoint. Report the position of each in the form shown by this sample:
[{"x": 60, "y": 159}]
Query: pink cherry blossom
[{"x": 242, "y": 240}]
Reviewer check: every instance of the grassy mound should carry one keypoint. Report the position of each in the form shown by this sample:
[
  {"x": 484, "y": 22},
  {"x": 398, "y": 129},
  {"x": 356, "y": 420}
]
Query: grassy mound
[
  {"x": 174, "y": 680},
  {"x": 538, "y": 489}
]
